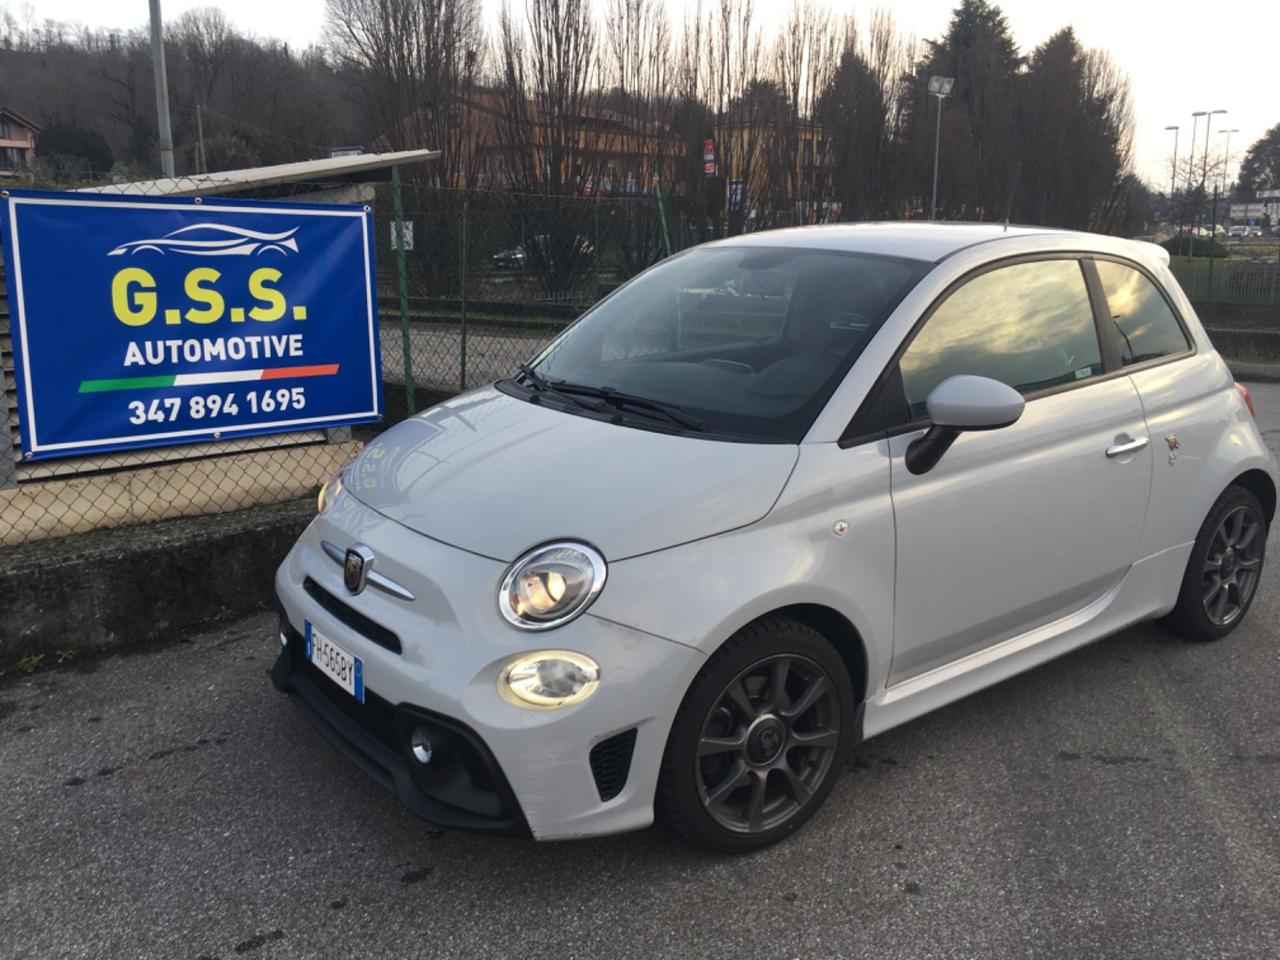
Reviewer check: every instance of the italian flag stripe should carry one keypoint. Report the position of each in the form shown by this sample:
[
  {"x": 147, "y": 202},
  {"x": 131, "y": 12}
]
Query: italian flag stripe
[{"x": 196, "y": 379}]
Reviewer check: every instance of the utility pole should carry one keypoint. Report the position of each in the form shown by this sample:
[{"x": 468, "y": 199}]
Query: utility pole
[
  {"x": 1191, "y": 168},
  {"x": 202, "y": 165},
  {"x": 162, "y": 90},
  {"x": 1226, "y": 159},
  {"x": 1204, "y": 169},
  {"x": 1173, "y": 180}
]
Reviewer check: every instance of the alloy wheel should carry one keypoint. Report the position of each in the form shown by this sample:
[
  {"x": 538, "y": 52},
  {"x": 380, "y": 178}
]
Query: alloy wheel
[
  {"x": 1232, "y": 565},
  {"x": 767, "y": 743}
]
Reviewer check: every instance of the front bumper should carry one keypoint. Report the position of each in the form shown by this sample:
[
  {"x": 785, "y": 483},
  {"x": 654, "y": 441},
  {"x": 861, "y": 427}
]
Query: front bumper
[
  {"x": 438, "y": 657},
  {"x": 466, "y": 791}
]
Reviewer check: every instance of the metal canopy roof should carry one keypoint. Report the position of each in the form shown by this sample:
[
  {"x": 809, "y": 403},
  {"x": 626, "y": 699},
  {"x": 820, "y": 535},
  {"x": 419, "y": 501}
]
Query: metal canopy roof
[{"x": 330, "y": 169}]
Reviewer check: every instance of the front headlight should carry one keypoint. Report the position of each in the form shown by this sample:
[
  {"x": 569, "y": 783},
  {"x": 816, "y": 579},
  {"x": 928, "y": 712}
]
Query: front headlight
[
  {"x": 549, "y": 678},
  {"x": 329, "y": 492},
  {"x": 550, "y": 585}
]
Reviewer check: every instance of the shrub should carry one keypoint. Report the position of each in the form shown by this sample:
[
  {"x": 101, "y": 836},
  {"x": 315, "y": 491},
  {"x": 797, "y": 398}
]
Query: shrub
[{"x": 1195, "y": 247}]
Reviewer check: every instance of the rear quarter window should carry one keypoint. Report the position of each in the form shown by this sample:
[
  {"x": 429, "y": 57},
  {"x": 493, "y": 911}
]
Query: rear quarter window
[{"x": 1144, "y": 322}]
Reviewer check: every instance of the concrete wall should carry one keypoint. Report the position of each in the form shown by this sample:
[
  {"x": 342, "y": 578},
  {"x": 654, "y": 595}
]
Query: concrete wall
[{"x": 73, "y": 595}]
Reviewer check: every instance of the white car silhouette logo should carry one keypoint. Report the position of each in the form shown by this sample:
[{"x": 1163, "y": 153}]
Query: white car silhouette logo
[{"x": 214, "y": 240}]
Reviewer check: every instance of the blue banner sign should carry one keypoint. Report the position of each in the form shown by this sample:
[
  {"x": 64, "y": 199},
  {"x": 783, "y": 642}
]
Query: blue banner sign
[{"x": 141, "y": 322}]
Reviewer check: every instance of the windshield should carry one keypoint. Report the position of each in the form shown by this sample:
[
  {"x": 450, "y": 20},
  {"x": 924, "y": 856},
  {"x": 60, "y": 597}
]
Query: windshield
[{"x": 747, "y": 341}]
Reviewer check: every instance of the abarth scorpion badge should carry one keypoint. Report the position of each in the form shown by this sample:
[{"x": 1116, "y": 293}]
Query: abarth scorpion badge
[
  {"x": 1174, "y": 446},
  {"x": 355, "y": 570}
]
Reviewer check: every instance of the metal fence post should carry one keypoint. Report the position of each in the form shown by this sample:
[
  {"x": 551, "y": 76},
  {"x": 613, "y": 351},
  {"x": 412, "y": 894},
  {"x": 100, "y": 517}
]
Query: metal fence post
[
  {"x": 1213, "y": 241},
  {"x": 8, "y": 466},
  {"x": 462, "y": 357},
  {"x": 404, "y": 293},
  {"x": 664, "y": 219},
  {"x": 595, "y": 229}
]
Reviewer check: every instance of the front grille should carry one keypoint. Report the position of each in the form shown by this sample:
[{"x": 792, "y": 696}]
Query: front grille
[
  {"x": 611, "y": 762},
  {"x": 352, "y": 617}
]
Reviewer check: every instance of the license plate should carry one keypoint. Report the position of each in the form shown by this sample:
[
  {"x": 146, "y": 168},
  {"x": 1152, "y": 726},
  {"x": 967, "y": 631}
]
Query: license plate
[{"x": 342, "y": 668}]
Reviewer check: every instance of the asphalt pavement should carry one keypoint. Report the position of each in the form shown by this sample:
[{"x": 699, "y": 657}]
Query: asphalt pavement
[{"x": 1121, "y": 802}]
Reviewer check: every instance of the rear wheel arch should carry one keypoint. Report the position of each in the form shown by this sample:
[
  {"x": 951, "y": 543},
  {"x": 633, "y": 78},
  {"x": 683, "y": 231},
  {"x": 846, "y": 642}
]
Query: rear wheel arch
[{"x": 1260, "y": 484}]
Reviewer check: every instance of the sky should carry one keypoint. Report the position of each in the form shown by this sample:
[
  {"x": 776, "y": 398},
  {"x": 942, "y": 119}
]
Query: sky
[{"x": 1177, "y": 62}]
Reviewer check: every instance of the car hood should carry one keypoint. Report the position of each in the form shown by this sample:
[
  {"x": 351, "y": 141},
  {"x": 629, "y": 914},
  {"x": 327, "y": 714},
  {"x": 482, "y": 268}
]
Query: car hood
[{"x": 496, "y": 475}]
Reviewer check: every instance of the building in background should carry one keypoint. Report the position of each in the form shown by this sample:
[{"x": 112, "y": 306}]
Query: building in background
[
  {"x": 17, "y": 143},
  {"x": 1271, "y": 204}
]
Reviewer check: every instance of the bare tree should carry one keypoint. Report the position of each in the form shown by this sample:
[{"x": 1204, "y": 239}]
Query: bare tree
[
  {"x": 553, "y": 142},
  {"x": 550, "y": 86},
  {"x": 204, "y": 38},
  {"x": 418, "y": 60},
  {"x": 638, "y": 70},
  {"x": 734, "y": 87},
  {"x": 805, "y": 58}
]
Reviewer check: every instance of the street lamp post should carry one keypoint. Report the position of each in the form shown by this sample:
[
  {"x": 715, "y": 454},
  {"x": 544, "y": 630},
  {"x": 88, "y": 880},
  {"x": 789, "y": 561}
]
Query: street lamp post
[
  {"x": 1204, "y": 170},
  {"x": 1226, "y": 157},
  {"x": 1195, "y": 122},
  {"x": 1191, "y": 165},
  {"x": 1173, "y": 180},
  {"x": 940, "y": 87},
  {"x": 1204, "y": 174}
]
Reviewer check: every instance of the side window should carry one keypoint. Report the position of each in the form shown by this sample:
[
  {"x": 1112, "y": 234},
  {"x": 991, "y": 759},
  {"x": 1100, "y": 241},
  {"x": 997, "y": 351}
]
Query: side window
[
  {"x": 1147, "y": 327},
  {"x": 1029, "y": 325}
]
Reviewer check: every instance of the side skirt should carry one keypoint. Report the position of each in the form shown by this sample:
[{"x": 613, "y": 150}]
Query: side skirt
[{"x": 1147, "y": 590}]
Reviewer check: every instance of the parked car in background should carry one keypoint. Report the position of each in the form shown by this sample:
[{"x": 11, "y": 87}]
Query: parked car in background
[
  {"x": 511, "y": 259},
  {"x": 517, "y": 257},
  {"x": 776, "y": 495},
  {"x": 1238, "y": 231}
]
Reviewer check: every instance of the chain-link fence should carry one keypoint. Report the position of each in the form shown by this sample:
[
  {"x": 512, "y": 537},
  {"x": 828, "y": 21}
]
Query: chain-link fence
[
  {"x": 1250, "y": 275},
  {"x": 489, "y": 278}
]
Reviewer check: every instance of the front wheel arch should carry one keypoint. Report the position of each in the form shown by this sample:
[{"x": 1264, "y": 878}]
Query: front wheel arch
[
  {"x": 838, "y": 631},
  {"x": 681, "y": 802}
]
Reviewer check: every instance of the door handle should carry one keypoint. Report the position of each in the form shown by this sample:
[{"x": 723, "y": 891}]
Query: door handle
[{"x": 1127, "y": 446}]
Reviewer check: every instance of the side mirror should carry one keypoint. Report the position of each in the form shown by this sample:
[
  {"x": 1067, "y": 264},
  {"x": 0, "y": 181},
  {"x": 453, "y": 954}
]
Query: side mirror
[{"x": 957, "y": 404}]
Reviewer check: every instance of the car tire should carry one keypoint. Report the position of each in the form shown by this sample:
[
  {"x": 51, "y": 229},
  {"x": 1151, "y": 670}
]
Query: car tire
[
  {"x": 1224, "y": 568},
  {"x": 747, "y": 764}
]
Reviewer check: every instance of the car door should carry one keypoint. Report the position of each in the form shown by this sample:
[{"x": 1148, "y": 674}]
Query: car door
[
  {"x": 1185, "y": 398},
  {"x": 1017, "y": 527}
]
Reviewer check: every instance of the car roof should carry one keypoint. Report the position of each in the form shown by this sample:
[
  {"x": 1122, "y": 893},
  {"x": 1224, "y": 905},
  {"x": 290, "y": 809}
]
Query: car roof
[{"x": 920, "y": 240}]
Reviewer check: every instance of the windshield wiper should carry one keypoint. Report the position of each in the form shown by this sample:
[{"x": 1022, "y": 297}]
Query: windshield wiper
[
  {"x": 534, "y": 378},
  {"x": 622, "y": 401},
  {"x": 540, "y": 385},
  {"x": 615, "y": 398}
]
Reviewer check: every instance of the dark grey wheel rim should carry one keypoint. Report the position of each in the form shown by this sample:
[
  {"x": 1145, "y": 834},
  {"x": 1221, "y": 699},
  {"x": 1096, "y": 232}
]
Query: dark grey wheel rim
[
  {"x": 1232, "y": 565},
  {"x": 767, "y": 744}
]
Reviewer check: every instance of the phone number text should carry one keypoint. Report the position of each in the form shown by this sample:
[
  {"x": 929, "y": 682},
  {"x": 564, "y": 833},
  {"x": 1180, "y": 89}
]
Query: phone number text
[{"x": 169, "y": 409}]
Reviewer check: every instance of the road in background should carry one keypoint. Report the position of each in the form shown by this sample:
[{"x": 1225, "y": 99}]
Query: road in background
[{"x": 1121, "y": 802}]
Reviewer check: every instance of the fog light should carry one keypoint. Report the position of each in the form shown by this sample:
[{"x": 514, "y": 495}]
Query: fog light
[
  {"x": 549, "y": 678},
  {"x": 420, "y": 746},
  {"x": 284, "y": 639}
]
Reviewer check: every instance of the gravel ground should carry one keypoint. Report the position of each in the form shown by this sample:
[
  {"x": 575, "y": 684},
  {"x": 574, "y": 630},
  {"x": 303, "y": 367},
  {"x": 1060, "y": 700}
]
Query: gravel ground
[{"x": 1121, "y": 802}]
